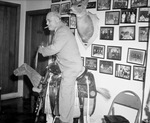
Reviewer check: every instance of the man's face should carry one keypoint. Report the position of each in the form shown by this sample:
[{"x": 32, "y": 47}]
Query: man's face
[{"x": 51, "y": 22}]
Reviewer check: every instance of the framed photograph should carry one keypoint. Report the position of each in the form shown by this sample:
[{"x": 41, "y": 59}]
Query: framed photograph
[
  {"x": 123, "y": 71},
  {"x": 55, "y": 1},
  {"x": 106, "y": 67},
  {"x": 114, "y": 52},
  {"x": 55, "y": 8},
  {"x": 139, "y": 3},
  {"x": 65, "y": 20},
  {"x": 128, "y": 16},
  {"x": 144, "y": 14},
  {"x": 91, "y": 5},
  {"x": 106, "y": 33},
  {"x": 82, "y": 60},
  {"x": 91, "y": 63},
  {"x": 139, "y": 73},
  {"x": 120, "y": 4},
  {"x": 143, "y": 34},
  {"x": 73, "y": 31},
  {"x": 98, "y": 51},
  {"x": 73, "y": 21},
  {"x": 136, "y": 56},
  {"x": 103, "y": 5},
  {"x": 127, "y": 32},
  {"x": 112, "y": 17},
  {"x": 65, "y": 7}
]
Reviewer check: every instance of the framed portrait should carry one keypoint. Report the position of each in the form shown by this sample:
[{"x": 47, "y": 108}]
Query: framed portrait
[
  {"x": 120, "y": 4},
  {"x": 114, "y": 52},
  {"x": 91, "y": 5},
  {"x": 106, "y": 67},
  {"x": 112, "y": 17},
  {"x": 55, "y": 8},
  {"x": 106, "y": 33},
  {"x": 136, "y": 56},
  {"x": 123, "y": 71},
  {"x": 73, "y": 31},
  {"x": 127, "y": 32},
  {"x": 91, "y": 63},
  {"x": 128, "y": 16},
  {"x": 55, "y": 1},
  {"x": 139, "y": 73},
  {"x": 73, "y": 21},
  {"x": 65, "y": 20},
  {"x": 64, "y": 9},
  {"x": 143, "y": 34},
  {"x": 98, "y": 51},
  {"x": 103, "y": 5},
  {"x": 144, "y": 14},
  {"x": 82, "y": 60},
  {"x": 139, "y": 3}
]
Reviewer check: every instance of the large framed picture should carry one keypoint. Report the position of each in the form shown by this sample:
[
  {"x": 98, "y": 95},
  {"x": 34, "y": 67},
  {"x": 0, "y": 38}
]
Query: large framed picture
[
  {"x": 139, "y": 3},
  {"x": 127, "y": 32},
  {"x": 106, "y": 33},
  {"x": 139, "y": 73},
  {"x": 120, "y": 4},
  {"x": 91, "y": 63},
  {"x": 55, "y": 8},
  {"x": 112, "y": 17},
  {"x": 136, "y": 56},
  {"x": 114, "y": 52},
  {"x": 144, "y": 14},
  {"x": 98, "y": 51},
  {"x": 106, "y": 67},
  {"x": 65, "y": 8},
  {"x": 123, "y": 71},
  {"x": 128, "y": 16},
  {"x": 103, "y": 5},
  {"x": 143, "y": 34}
]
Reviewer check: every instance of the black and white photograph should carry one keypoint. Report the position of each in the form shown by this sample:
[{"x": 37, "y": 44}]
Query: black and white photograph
[
  {"x": 91, "y": 63},
  {"x": 143, "y": 34},
  {"x": 65, "y": 8},
  {"x": 139, "y": 3},
  {"x": 103, "y": 5},
  {"x": 91, "y": 5},
  {"x": 106, "y": 33},
  {"x": 144, "y": 14},
  {"x": 120, "y": 4}
]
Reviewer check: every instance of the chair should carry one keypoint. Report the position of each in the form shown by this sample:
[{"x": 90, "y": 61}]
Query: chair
[{"x": 128, "y": 99}]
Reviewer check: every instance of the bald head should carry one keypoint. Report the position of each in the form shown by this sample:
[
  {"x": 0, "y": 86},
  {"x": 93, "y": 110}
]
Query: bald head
[{"x": 53, "y": 14}]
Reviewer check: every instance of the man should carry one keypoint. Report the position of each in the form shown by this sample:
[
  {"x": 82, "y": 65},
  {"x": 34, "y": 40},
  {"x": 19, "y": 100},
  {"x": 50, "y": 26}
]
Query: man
[{"x": 69, "y": 60}]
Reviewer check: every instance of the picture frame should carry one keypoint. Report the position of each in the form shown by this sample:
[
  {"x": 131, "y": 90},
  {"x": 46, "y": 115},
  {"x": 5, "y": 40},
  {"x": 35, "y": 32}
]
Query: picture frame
[
  {"x": 139, "y": 73},
  {"x": 55, "y": 8},
  {"x": 106, "y": 67},
  {"x": 103, "y": 5},
  {"x": 106, "y": 33},
  {"x": 120, "y": 4},
  {"x": 136, "y": 56},
  {"x": 144, "y": 14},
  {"x": 128, "y": 16},
  {"x": 114, "y": 52},
  {"x": 91, "y": 63},
  {"x": 123, "y": 71},
  {"x": 73, "y": 21},
  {"x": 127, "y": 33},
  {"x": 143, "y": 34},
  {"x": 98, "y": 51},
  {"x": 112, "y": 17},
  {"x": 139, "y": 3},
  {"x": 91, "y": 5},
  {"x": 65, "y": 8},
  {"x": 66, "y": 21},
  {"x": 55, "y": 1}
]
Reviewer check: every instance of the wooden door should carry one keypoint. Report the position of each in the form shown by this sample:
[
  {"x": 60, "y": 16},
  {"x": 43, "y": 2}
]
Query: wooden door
[
  {"x": 35, "y": 35},
  {"x": 9, "y": 39}
]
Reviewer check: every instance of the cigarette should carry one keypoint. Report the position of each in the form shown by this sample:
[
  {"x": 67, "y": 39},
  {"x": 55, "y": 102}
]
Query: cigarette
[{"x": 45, "y": 27}]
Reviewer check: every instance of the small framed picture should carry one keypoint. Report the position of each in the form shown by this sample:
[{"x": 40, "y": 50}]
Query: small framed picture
[
  {"x": 98, "y": 51},
  {"x": 106, "y": 33},
  {"x": 82, "y": 60},
  {"x": 91, "y": 5},
  {"x": 139, "y": 73},
  {"x": 65, "y": 8},
  {"x": 112, "y": 17},
  {"x": 55, "y": 8},
  {"x": 128, "y": 16},
  {"x": 55, "y": 1},
  {"x": 114, "y": 52},
  {"x": 136, "y": 56},
  {"x": 106, "y": 67},
  {"x": 73, "y": 21},
  {"x": 103, "y": 5},
  {"x": 91, "y": 63},
  {"x": 144, "y": 14},
  {"x": 143, "y": 34},
  {"x": 65, "y": 20},
  {"x": 120, "y": 4},
  {"x": 123, "y": 71},
  {"x": 127, "y": 32},
  {"x": 139, "y": 3}
]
